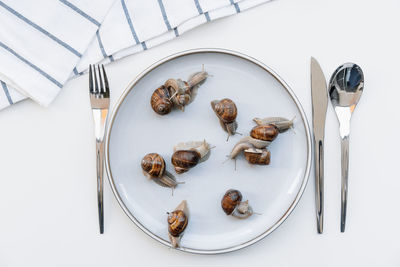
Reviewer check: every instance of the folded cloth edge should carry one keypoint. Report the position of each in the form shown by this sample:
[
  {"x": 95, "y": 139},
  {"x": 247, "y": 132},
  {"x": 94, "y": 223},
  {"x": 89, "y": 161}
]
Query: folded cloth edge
[{"x": 45, "y": 100}]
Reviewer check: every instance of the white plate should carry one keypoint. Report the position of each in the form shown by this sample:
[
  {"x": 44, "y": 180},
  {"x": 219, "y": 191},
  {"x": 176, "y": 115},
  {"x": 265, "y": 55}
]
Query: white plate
[{"x": 273, "y": 191}]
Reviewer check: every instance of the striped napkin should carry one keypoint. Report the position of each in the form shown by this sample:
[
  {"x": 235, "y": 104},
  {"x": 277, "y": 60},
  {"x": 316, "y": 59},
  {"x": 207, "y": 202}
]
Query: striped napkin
[{"x": 44, "y": 43}]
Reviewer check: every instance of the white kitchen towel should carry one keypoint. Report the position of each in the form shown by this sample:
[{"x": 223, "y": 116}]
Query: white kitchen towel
[{"x": 45, "y": 43}]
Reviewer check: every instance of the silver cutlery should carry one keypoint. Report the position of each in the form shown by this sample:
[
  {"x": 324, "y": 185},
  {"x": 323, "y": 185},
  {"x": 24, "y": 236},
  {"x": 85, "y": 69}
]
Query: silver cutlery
[
  {"x": 100, "y": 101},
  {"x": 319, "y": 106},
  {"x": 345, "y": 89}
]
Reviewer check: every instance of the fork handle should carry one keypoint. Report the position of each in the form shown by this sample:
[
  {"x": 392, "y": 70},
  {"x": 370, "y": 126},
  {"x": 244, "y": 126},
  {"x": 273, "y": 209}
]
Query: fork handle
[
  {"x": 345, "y": 180},
  {"x": 100, "y": 164}
]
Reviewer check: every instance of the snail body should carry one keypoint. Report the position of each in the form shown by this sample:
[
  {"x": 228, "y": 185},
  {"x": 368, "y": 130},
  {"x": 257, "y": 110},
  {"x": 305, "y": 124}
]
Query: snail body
[
  {"x": 176, "y": 93},
  {"x": 232, "y": 204},
  {"x": 153, "y": 166},
  {"x": 197, "y": 78},
  {"x": 282, "y": 124},
  {"x": 247, "y": 143},
  {"x": 189, "y": 154},
  {"x": 177, "y": 221},
  {"x": 226, "y": 112}
]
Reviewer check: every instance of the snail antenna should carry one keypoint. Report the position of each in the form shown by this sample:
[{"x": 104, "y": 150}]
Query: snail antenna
[
  {"x": 292, "y": 127},
  {"x": 203, "y": 70},
  {"x": 228, "y": 157},
  {"x": 174, "y": 94}
]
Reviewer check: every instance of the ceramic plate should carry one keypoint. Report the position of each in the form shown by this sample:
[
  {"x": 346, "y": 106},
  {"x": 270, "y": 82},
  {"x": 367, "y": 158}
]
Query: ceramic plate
[{"x": 273, "y": 191}]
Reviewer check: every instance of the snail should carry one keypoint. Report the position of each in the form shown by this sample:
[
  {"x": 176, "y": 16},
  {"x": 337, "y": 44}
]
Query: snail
[
  {"x": 226, "y": 111},
  {"x": 177, "y": 93},
  {"x": 282, "y": 124},
  {"x": 177, "y": 222},
  {"x": 232, "y": 204},
  {"x": 153, "y": 166},
  {"x": 189, "y": 154}
]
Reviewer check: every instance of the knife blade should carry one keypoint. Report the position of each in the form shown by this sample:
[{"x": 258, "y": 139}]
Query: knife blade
[{"x": 319, "y": 96}]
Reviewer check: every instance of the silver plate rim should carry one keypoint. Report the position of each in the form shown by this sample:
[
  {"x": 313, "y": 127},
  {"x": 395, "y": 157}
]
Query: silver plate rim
[{"x": 130, "y": 87}]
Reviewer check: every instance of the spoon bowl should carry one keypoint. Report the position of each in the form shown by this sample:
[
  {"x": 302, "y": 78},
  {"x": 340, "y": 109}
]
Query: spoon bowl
[{"x": 345, "y": 88}]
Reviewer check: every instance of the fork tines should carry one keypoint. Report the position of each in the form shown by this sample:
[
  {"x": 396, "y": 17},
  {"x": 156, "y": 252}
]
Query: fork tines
[{"x": 94, "y": 88}]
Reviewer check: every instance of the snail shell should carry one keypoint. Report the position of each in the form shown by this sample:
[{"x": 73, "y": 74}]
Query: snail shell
[
  {"x": 226, "y": 111},
  {"x": 232, "y": 204},
  {"x": 177, "y": 222},
  {"x": 231, "y": 200},
  {"x": 183, "y": 160},
  {"x": 160, "y": 101},
  {"x": 281, "y": 123},
  {"x": 266, "y": 132},
  {"x": 258, "y": 156},
  {"x": 153, "y": 166}
]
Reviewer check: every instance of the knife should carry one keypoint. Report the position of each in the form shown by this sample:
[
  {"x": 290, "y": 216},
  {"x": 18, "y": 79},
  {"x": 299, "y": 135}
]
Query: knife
[{"x": 319, "y": 96}]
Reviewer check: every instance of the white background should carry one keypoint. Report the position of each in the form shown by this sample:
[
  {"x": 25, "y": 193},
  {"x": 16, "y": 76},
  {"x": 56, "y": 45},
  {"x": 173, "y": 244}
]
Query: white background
[{"x": 47, "y": 164}]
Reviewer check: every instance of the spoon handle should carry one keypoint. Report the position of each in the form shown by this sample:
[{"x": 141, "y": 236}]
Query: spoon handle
[{"x": 345, "y": 178}]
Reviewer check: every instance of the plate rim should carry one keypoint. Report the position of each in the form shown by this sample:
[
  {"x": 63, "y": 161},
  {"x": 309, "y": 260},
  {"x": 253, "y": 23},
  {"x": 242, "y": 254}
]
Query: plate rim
[{"x": 158, "y": 63}]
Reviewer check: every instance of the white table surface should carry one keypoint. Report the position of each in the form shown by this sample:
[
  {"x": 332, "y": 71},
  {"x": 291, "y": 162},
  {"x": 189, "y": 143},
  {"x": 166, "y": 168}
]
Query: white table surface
[{"x": 47, "y": 174}]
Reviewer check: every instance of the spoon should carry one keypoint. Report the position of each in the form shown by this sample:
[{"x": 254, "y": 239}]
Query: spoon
[{"x": 345, "y": 89}]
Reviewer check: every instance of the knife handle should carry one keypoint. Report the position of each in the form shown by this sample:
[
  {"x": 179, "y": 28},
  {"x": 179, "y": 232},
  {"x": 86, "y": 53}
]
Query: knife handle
[{"x": 319, "y": 182}]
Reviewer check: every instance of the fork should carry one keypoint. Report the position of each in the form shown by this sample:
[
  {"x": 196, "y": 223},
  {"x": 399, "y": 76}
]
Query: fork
[{"x": 100, "y": 101}]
